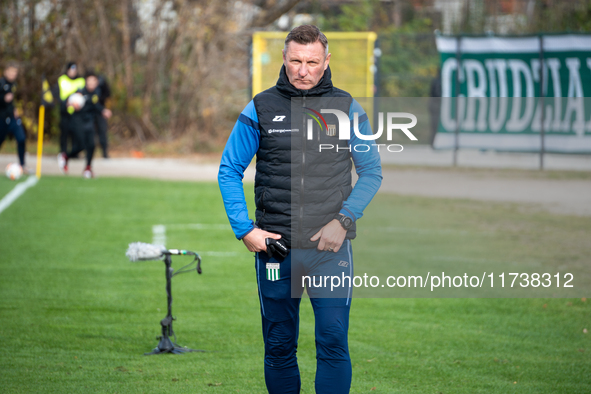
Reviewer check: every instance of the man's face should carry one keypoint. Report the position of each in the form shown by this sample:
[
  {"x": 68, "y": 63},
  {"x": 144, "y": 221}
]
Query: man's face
[
  {"x": 72, "y": 72},
  {"x": 11, "y": 73},
  {"x": 305, "y": 64},
  {"x": 91, "y": 83}
]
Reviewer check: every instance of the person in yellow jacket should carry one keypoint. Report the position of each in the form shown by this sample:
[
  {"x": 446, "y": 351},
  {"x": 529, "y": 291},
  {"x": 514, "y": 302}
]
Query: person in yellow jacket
[
  {"x": 83, "y": 118},
  {"x": 67, "y": 84}
]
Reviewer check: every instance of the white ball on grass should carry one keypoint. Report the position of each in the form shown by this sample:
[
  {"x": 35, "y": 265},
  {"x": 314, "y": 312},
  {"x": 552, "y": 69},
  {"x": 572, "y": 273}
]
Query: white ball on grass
[{"x": 14, "y": 171}]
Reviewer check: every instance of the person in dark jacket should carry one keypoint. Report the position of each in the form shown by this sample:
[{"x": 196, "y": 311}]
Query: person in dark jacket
[
  {"x": 304, "y": 199},
  {"x": 83, "y": 122},
  {"x": 10, "y": 122},
  {"x": 102, "y": 125},
  {"x": 67, "y": 84}
]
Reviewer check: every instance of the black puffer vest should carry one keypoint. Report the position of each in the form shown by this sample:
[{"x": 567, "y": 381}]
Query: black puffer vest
[{"x": 299, "y": 189}]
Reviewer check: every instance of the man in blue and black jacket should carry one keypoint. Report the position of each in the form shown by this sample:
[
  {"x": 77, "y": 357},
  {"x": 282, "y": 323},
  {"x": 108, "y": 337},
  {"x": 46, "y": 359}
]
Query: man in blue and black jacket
[{"x": 304, "y": 199}]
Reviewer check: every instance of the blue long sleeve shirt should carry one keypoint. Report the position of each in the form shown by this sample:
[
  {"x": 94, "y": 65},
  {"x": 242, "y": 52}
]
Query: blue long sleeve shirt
[{"x": 243, "y": 145}]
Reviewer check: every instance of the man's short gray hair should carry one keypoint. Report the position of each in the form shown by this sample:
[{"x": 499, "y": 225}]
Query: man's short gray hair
[{"x": 307, "y": 34}]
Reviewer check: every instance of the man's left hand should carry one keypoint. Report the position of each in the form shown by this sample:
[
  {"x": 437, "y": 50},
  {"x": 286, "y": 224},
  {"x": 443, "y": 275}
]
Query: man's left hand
[{"x": 331, "y": 236}]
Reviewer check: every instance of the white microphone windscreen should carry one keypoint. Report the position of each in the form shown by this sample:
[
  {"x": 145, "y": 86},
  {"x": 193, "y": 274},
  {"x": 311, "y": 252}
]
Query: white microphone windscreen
[{"x": 140, "y": 251}]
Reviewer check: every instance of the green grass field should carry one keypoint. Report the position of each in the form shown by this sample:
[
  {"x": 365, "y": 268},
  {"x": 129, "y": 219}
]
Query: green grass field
[{"x": 76, "y": 316}]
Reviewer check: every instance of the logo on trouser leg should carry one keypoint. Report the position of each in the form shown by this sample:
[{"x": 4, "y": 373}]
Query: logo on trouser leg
[{"x": 273, "y": 271}]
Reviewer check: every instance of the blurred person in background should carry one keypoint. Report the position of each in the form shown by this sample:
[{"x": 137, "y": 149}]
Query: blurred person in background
[
  {"x": 67, "y": 84},
  {"x": 434, "y": 105},
  {"x": 82, "y": 120},
  {"x": 10, "y": 121},
  {"x": 102, "y": 125}
]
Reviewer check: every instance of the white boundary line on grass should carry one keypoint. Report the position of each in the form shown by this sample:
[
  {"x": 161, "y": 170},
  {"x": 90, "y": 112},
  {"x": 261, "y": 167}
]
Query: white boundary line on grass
[
  {"x": 16, "y": 192},
  {"x": 159, "y": 235}
]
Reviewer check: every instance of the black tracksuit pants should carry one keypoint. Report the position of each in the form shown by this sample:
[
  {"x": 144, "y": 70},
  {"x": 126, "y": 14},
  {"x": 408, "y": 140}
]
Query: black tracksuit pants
[
  {"x": 66, "y": 132},
  {"x": 82, "y": 128}
]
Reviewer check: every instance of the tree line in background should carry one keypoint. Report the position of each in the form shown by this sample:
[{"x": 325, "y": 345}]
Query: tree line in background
[
  {"x": 175, "y": 67},
  {"x": 180, "y": 68},
  {"x": 409, "y": 59}
]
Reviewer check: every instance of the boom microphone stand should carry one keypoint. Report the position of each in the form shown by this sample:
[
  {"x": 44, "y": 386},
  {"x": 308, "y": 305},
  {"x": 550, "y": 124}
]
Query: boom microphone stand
[{"x": 139, "y": 252}]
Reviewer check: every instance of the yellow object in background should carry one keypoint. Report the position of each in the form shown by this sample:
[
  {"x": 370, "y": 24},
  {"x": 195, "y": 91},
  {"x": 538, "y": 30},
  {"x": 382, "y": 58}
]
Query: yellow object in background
[
  {"x": 352, "y": 60},
  {"x": 40, "y": 140},
  {"x": 47, "y": 95}
]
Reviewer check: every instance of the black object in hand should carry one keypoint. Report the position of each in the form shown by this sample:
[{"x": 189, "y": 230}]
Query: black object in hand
[{"x": 276, "y": 247}]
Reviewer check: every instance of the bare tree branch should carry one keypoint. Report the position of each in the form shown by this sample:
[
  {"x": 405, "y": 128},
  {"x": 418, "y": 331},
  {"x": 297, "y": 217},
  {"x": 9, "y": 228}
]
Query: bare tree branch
[
  {"x": 269, "y": 16},
  {"x": 126, "y": 47},
  {"x": 107, "y": 51}
]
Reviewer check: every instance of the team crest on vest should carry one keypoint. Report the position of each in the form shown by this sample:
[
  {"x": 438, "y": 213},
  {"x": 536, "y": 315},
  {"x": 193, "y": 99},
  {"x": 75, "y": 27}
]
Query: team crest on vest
[{"x": 331, "y": 130}]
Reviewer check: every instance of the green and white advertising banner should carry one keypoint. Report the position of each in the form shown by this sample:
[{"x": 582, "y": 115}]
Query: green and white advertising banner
[{"x": 506, "y": 91}]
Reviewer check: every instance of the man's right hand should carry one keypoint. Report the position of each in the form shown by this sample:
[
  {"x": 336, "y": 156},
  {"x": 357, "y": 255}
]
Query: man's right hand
[
  {"x": 255, "y": 240},
  {"x": 8, "y": 97}
]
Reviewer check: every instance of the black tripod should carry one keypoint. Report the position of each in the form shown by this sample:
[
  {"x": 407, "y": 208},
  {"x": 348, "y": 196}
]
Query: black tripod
[{"x": 166, "y": 345}]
